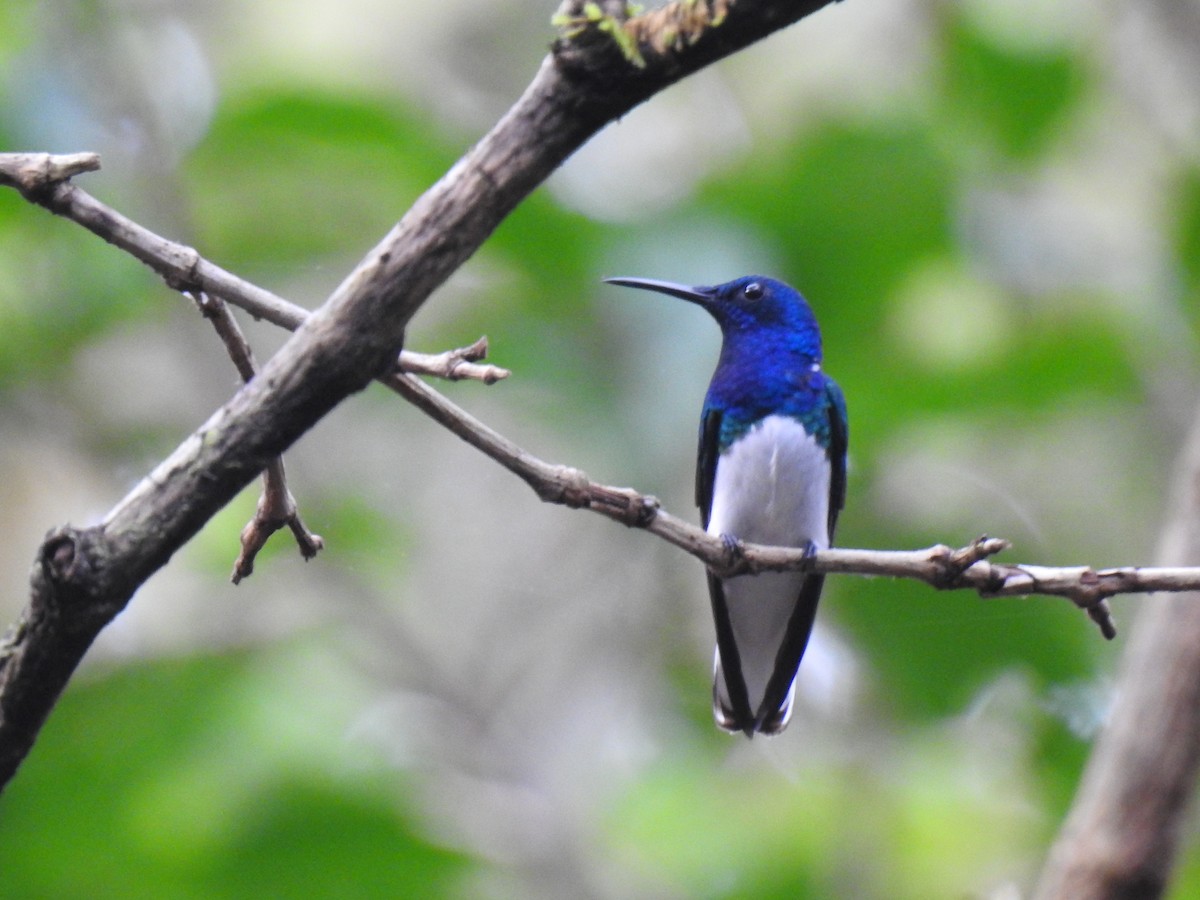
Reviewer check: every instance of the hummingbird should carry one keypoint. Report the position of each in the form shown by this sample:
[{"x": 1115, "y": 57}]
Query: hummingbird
[{"x": 771, "y": 469}]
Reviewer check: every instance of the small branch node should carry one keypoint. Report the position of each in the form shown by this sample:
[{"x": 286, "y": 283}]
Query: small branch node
[
  {"x": 1091, "y": 594},
  {"x": 310, "y": 544},
  {"x": 980, "y": 548},
  {"x": 625, "y": 505},
  {"x": 950, "y": 565},
  {"x": 183, "y": 274},
  {"x": 208, "y": 305},
  {"x": 947, "y": 568},
  {"x": 1100, "y": 613},
  {"x": 477, "y": 351},
  {"x": 642, "y": 511},
  {"x": 454, "y": 365},
  {"x": 59, "y": 556},
  {"x": 568, "y": 486},
  {"x": 276, "y": 509},
  {"x": 33, "y": 173}
]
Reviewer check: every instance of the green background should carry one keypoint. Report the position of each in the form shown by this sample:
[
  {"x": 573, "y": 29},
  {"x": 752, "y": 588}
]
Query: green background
[{"x": 994, "y": 210}]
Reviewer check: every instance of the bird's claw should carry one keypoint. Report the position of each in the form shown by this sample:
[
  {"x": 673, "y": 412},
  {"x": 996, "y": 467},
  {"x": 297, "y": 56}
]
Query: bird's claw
[
  {"x": 735, "y": 557},
  {"x": 810, "y": 553}
]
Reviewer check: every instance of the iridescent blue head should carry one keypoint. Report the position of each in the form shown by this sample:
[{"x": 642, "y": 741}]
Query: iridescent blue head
[
  {"x": 756, "y": 313},
  {"x": 770, "y": 353}
]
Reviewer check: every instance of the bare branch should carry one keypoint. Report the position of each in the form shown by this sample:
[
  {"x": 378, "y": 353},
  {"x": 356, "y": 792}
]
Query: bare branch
[
  {"x": 276, "y": 507},
  {"x": 185, "y": 270},
  {"x": 230, "y": 333},
  {"x": 939, "y": 566},
  {"x": 33, "y": 173},
  {"x": 454, "y": 365}
]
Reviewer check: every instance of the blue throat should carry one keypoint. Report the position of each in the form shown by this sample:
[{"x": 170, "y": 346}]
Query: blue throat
[
  {"x": 746, "y": 400},
  {"x": 769, "y": 366}
]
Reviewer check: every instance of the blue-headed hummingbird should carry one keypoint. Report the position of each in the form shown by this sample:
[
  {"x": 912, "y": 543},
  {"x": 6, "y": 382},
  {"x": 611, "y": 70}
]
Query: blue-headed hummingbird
[{"x": 771, "y": 469}]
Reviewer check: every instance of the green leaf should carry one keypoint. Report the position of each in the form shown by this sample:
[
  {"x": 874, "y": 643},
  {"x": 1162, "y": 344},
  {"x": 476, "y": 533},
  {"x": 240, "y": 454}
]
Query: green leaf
[{"x": 1014, "y": 100}]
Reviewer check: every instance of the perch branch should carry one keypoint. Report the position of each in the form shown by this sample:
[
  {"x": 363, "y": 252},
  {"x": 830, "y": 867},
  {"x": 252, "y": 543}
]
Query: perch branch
[
  {"x": 941, "y": 567},
  {"x": 560, "y": 484},
  {"x": 937, "y": 566}
]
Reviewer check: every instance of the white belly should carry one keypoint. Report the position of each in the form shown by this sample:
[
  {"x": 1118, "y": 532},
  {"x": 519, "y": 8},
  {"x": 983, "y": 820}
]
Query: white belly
[{"x": 771, "y": 487}]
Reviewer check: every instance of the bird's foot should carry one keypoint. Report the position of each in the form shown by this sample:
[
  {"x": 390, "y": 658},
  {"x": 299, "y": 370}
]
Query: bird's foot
[
  {"x": 735, "y": 557},
  {"x": 810, "y": 553}
]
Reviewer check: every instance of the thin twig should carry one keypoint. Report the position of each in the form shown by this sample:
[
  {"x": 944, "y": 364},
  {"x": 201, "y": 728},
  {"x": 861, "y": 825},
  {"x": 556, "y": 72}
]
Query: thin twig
[
  {"x": 42, "y": 178},
  {"x": 32, "y": 173},
  {"x": 454, "y": 365},
  {"x": 230, "y": 333},
  {"x": 276, "y": 507}
]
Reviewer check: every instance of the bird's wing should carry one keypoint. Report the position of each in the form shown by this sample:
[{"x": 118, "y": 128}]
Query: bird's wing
[
  {"x": 706, "y": 461},
  {"x": 740, "y": 717},
  {"x": 839, "y": 440},
  {"x": 772, "y": 713}
]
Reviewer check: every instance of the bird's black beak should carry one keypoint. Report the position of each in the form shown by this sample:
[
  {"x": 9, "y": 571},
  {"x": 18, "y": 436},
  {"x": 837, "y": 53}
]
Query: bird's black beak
[{"x": 701, "y": 295}]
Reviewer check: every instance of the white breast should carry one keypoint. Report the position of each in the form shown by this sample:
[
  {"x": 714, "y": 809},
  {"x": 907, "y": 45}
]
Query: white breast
[{"x": 772, "y": 487}]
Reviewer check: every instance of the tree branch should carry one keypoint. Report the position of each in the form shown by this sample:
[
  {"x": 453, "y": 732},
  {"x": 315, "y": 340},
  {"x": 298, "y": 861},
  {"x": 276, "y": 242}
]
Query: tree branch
[{"x": 84, "y": 577}]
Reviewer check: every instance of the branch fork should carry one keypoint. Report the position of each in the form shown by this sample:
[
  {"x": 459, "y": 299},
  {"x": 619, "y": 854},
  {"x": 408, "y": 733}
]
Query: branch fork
[{"x": 34, "y": 173}]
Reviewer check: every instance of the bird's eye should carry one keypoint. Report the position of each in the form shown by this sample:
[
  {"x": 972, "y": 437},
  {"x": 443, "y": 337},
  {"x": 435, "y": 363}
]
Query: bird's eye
[{"x": 752, "y": 291}]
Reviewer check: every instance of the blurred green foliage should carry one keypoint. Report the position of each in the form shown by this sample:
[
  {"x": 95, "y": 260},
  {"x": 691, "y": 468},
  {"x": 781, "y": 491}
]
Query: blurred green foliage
[
  {"x": 1013, "y": 101},
  {"x": 1187, "y": 199},
  {"x": 164, "y": 805},
  {"x": 58, "y": 288},
  {"x": 207, "y": 776},
  {"x": 365, "y": 157}
]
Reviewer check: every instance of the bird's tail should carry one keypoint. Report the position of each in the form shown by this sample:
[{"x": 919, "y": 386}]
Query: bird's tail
[{"x": 731, "y": 707}]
